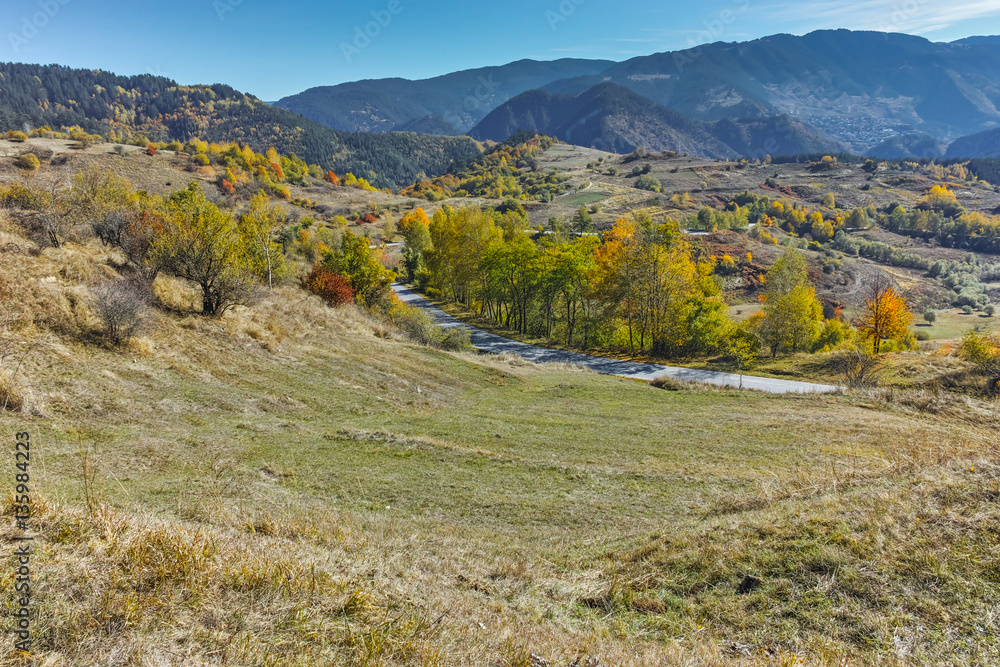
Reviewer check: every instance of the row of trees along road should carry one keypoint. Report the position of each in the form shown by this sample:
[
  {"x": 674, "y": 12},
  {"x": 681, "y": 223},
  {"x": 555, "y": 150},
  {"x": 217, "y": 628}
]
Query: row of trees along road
[{"x": 640, "y": 288}]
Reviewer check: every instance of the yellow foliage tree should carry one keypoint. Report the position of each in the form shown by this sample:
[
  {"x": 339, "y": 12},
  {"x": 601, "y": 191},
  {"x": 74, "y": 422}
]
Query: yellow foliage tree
[{"x": 885, "y": 316}]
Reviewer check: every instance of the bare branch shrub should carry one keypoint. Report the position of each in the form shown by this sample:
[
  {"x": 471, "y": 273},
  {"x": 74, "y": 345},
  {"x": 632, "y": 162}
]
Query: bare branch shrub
[
  {"x": 121, "y": 305},
  {"x": 859, "y": 368}
]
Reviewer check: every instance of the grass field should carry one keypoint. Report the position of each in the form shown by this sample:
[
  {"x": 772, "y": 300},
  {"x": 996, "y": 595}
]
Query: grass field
[
  {"x": 953, "y": 323},
  {"x": 297, "y": 485},
  {"x": 582, "y": 198}
]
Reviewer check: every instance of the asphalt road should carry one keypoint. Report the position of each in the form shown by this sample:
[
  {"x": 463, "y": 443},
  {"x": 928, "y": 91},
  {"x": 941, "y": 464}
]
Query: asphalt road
[{"x": 494, "y": 344}]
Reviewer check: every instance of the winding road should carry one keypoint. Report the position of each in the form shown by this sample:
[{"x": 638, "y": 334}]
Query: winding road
[{"x": 494, "y": 344}]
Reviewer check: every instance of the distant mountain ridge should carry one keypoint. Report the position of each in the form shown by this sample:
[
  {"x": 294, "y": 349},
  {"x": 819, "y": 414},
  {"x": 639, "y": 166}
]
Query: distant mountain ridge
[
  {"x": 859, "y": 88},
  {"x": 612, "y": 118},
  {"x": 461, "y": 99}
]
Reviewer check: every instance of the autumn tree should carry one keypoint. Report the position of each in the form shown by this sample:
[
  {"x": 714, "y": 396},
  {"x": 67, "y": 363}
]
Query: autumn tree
[
  {"x": 669, "y": 304},
  {"x": 510, "y": 272},
  {"x": 133, "y": 231},
  {"x": 821, "y": 230},
  {"x": 792, "y": 315},
  {"x": 459, "y": 239},
  {"x": 940, "y": 198},
  {"x": 202, "y": 244},
  {"x": 46, "y": 211},
  {"x": 569, "y": 271},
  {"x": 415, "y": 228},
  {"x": 95, "y": 193},
  {"x": 743, "y": 345},
  {"x": 331, "y": 287},
  {"x": 582, "y": 222},
  {"x": 885, "y": 315},
  {"x": 357, "y": 263},
  {"x": 263, "y": 256}
]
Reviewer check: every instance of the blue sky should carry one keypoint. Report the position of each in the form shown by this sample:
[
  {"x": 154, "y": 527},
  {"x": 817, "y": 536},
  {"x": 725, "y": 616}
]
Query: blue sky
[{"x": 275, "y": 49}]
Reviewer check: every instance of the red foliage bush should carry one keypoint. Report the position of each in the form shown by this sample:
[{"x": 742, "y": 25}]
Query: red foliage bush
[
  {"x": 151, "y": 149},
  {"x": 227, "y": 187},
  {"x": 331, "y": 287}
]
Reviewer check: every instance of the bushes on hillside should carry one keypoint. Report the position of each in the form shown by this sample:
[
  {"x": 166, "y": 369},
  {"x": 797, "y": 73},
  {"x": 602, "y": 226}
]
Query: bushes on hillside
[
  {"x": 28, "y": 162},
  {"x": 646, "y": 182},
  {"x": 200, "y": 243},
  {"x": 420, "y": 327},
  {"x": 983, "y": 351},
  {"x": 331, "y": 287}
]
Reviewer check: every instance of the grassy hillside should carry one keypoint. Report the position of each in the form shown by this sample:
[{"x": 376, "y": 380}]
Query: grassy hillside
[{"x": 293, "y": 484}]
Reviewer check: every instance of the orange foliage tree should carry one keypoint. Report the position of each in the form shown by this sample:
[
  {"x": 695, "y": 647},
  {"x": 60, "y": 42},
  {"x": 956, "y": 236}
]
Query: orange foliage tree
[
  {"x": 885, "y": 315},
  {"x": 331, "y": 287},
  {"x": 332, "y": 178}
]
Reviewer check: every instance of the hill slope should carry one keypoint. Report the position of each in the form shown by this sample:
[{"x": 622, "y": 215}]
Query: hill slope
[
  {"x": 181, "y": 504},
  {"x": 981, "y": 144},
  {"x": 160, "y": 109},
  {"x": 917, "y": 144},
  {"x": 461, "y": 99},
  {"x": 612, "y": 118}
]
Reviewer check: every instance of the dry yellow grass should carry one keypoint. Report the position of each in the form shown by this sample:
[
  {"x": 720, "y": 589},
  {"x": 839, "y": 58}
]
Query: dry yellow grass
[{"x": 295, "y": 485}]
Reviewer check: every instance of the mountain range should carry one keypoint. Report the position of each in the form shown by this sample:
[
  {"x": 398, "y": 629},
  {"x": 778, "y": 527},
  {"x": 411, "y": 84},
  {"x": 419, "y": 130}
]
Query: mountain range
[
  {"x": 612, "y": 118},
  {"x": 843, "y": 89},
  {"x": 452, "y": 103}
]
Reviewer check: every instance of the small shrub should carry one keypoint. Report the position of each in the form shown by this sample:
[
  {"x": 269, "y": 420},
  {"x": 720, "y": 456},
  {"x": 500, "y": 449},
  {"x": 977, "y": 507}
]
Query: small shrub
[
  {"x": 11, "y": 397},
  {"x": 118, "y": 149},
  {"x": 28, "y": 162},
  {"x": 990, "y": 310},
  {"x": 17, "y": 136},
  {"x": 922, "y": 336},
  {"x": 17, "y": 196},
  {"x": 151, "y": 150},
  {"x": 331, "y": 287},
  {"x": 667, "y": 383},
  {"x": 860, "y": 368},
  {"x": 121, "y": 306},
  {"x": 930, "y": 316},
  {"x": 646, "y": 182},
  {"x": 455, "y": 339},
  {"x": 422, "y": 328}
]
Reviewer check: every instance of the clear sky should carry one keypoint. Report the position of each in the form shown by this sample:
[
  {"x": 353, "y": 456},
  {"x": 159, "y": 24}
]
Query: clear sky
[{"x": 273, "y": 49}]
